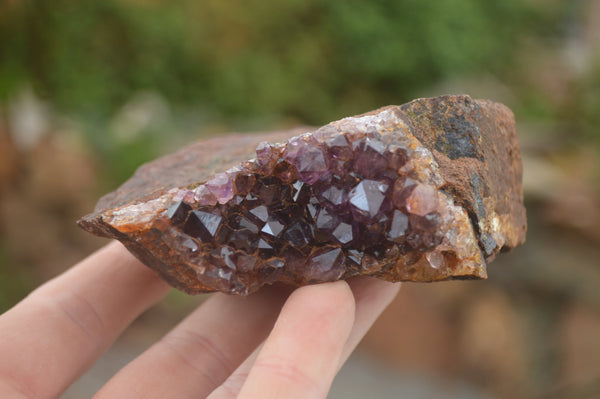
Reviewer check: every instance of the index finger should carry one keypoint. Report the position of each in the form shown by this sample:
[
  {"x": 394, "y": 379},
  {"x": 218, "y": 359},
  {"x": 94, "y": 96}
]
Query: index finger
[{"x": 57, "y": 332}]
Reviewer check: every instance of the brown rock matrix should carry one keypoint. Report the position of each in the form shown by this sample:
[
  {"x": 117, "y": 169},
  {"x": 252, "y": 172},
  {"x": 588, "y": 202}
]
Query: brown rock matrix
[{"x": 426, "y": 191}]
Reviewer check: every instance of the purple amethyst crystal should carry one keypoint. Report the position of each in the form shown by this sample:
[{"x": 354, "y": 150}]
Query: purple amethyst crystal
[
  {"x": 310, "y": 161},
  {"x": 178, "y": 212},
  {"x": 267, "y": 156},
  {"x": 343, "y": 233},
  {"x": 325, "y": 264},
  {"x": 202, "y": 225},
  {"x": 371, "y": 158},
  {"x": 221, "y": 186},
  {"x": 203, "y": 196},
  {"x": 368, "y": 197},
  {"x": 399, "y": 226}
]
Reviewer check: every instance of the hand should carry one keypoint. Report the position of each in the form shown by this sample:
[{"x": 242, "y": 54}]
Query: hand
[{"x": 55, "y": 334}]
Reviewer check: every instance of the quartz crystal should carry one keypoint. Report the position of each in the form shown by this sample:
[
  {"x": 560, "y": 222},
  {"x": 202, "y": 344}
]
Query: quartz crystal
[{"x": 426, "y": 191}]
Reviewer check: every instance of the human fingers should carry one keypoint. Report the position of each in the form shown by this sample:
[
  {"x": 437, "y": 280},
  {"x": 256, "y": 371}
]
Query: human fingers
[
  {"x": 199, "y": 354},
  {"x": 371, "y": 295},
  {"x": 232, "y": 386},
  {"x": 301, "y": 355},
  {"x": 61, "y": 328}
]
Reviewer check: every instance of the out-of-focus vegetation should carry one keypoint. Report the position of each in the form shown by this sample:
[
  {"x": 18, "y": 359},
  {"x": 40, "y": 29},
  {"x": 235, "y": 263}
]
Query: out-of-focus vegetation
[
  {"x": 313, "y": 60},
  {"x": 89, "y": 90}
]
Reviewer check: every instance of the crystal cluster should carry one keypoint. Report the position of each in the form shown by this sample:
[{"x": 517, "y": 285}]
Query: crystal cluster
[
  {"x": 321, "y": 207},
  {"x": 414, "y": 193}
]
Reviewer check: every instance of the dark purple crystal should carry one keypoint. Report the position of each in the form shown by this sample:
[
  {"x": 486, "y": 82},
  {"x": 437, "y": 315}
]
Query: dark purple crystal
[
  {"x": 397, "y": 158},
  {"x": 260, "y": 212},
  {"x": 273, "y": 227},
  {"x": 178, "y": 212},
  {"x": 370, "y": 158},
  {"x": 244, "y": 262},
  {"x": 326, "y": 220},
  {"x": 310, "y": 161},
  {"x": 271, "y": 270},
  {"x": 285, "y": 171},
  {"x": 298, "y": 234},
  {"x": 244, "y": 183},
  {"x": 244, "y": 239},
  {"x": 325, "y": 264},
  {"x": 240, "y": 222},
  {"x": 399, "y": 227},
  {"x": 202, "y": 225},
  {"x": 335, "y": 197},
  {"x": 343, "y": 233},
  {"x": 339, "y": 147},
  {"x": 368, "y": 197},
  {"x": 265, "y": 250},
  {"x": 300, "y": 192}
]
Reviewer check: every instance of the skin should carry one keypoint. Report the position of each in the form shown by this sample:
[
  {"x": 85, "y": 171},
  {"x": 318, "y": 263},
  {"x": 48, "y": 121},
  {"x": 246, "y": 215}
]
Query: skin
[{"x": 272, "y": 344}]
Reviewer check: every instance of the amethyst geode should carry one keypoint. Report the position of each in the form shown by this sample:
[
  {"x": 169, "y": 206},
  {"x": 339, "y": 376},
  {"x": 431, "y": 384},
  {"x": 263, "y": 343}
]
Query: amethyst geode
[{"x": 426, "y": 191}]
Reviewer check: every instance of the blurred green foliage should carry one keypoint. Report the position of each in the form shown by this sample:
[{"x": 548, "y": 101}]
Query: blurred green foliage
[
  {"x": 583, "y": 112},
  {"x": 88, "y": 57},
  {"x": 312, "y": 60}
]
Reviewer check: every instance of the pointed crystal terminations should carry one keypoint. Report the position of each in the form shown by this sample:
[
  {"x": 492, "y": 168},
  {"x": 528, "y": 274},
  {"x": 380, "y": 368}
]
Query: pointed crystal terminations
[
  {"x": 367, "y": 198},
  {"x": 426, "y": 191}
]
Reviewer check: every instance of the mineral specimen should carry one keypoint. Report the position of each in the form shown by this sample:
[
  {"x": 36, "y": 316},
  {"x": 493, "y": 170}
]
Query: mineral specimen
[{"x": 426, "y": 191}]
